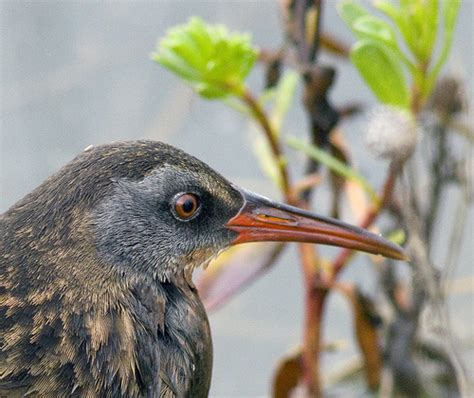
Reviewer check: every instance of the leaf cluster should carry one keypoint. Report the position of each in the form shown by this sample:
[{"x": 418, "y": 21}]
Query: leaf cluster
[
  {"x": 214, "y": 61},
  {"x": 379, "y": 53}
]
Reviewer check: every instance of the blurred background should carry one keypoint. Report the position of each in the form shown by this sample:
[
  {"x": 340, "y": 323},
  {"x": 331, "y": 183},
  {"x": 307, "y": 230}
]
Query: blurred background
[{"x": 78, "y": 73}]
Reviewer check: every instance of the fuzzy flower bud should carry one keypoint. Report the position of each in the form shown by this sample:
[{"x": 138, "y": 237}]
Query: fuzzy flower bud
[{"x": 392, "y": 133}]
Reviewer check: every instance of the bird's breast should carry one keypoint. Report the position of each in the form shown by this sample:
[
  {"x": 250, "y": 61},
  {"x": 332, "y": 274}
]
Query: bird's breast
[{"x": 187, "y": 352}]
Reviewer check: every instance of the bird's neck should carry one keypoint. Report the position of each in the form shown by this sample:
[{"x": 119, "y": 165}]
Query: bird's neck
[{"x": 176, "y": 312}]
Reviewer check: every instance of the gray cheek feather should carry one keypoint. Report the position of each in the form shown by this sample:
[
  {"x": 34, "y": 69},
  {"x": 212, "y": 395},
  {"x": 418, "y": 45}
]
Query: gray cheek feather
[{"x": 131, "y": 235}]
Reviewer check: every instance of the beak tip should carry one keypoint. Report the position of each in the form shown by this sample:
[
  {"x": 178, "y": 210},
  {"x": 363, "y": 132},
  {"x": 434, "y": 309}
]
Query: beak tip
[
  {"x": 400, "y": 255},
  {"x": 405, "y": 257}
]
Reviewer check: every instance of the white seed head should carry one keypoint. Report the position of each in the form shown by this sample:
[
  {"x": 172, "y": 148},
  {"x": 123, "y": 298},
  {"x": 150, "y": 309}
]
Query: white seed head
[{"x": 392, "y": 133}]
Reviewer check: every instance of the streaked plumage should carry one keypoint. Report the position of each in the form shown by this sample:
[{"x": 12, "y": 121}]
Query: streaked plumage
[{"x": 96, "y": 297}]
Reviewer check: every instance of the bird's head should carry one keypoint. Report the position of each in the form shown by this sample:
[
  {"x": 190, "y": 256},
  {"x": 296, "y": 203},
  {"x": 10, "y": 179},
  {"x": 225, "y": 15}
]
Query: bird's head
[
  {"x": 180, "y": 213},
  {"x": 169, "y": 221}
]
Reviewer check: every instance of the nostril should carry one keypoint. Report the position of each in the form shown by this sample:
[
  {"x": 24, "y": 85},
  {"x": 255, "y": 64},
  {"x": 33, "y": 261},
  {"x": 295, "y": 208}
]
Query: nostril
[{"x": 276, "y": 219}]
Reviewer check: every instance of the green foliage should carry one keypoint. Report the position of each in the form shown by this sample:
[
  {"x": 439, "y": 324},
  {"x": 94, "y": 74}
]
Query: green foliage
[
  {"x": 367, "y": 26},
  {"x": 282, "y": 97},
  {"x": 350, "y": 12},
  {"x": 267, "y": 162},
  {"x": 334, "y": 164},
  {"x": 382, "y": 71},
  {"x": 451, "y": 10},
  {"x": 397, "y": 236},
  {"x": 417, "y": 22},
  {"x": 214, "y": 61},
  {"x": 376, "y": 55},
  {"x": 376, "y": 29}
]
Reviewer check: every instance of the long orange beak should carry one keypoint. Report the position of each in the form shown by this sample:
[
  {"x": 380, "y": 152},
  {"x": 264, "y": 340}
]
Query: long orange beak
[{"x": 260, "y": 219}]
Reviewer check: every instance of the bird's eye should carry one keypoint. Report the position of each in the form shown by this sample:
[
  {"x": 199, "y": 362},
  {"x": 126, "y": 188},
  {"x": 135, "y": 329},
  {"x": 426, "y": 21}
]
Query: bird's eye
[{"x": 186, "y": 206}]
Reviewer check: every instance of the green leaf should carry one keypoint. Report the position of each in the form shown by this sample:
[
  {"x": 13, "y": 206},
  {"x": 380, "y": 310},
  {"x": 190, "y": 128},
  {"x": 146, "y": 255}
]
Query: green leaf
[
  {"x": 388, "y": 9},
  {"x": 450, "y": 13},
  {"x": 267, "y": 96},
  {"x": 214, "y": 61},
  {"x": 267, "y": 162},
  {"x": 367, "y": 26},
  {"x": 332, "y": 163},
  {"x": 412, "y": 28},
  {"x": 370, "y": 27},
  {"x": 382, "y": 71},
  {"x": 402, "y": 18},
  {"x": 430, "y": 27},
  {"x": 284, "y": 98},
  {"x": 417, "y": 21},
  {"x": 349, "y": 11},
  {"x": 421, "y": 20},
  {"x": 397, "y": 236},
  {"x": 237, "y": 105}
]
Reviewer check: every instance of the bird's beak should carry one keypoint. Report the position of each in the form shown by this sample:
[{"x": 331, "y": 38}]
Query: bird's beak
[{"x": 261, "y": 219}]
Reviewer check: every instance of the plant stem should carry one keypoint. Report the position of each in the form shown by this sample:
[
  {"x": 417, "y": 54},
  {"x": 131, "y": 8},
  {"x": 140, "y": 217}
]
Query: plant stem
[
  {"x": 316, "y": 294},
  {"x": 314, "y": 306},
  {"x": 438, "y": 179},
  {"x": 272, "y": 140},
  {"x": 370, "y": 217},
  {"x": 313, "y": 51},
  {"x": 309, "y": 260}
]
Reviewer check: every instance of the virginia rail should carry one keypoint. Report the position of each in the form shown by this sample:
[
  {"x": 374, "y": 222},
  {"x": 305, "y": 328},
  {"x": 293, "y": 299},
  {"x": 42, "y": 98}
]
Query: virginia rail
[{"x": 96, "y": 297}]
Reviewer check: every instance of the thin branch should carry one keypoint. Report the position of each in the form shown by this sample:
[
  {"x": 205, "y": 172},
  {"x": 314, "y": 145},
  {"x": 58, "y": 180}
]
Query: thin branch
[
  {"x": 310, "y": 181},
  {"x": 309, "y": 258},
  {"x": 313, "y": 51},
  {"x": 300, "y": 31},
  {"x": 426, "y": 285},
  {"x": 272, "y": 140},
  {"x": 314, "y": 305},
  {"x": 370, "y": 217},
  {"x": 438, "y": 178},
  {"x": 455, "y": 240}
]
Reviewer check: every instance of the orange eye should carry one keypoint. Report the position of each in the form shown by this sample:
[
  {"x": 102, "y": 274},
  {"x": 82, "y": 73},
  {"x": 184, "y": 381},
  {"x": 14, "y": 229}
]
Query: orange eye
[{"x": 186, "y": 206}]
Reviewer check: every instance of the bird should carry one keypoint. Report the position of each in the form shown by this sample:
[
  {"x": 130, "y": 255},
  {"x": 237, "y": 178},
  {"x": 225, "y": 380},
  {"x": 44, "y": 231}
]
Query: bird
[{"x": 96, "y": 264}]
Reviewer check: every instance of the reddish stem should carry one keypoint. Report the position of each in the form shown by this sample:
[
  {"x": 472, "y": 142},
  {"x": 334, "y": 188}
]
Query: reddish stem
[
  {"x": 372, "y": 214},
  {"x": 316, "y": 294},
  {"x": 314, "y": 301},
  {"x": 315, "y": 297},
  {"x": 259, "y": 114},
  {"x": 309, "y": 260}
]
